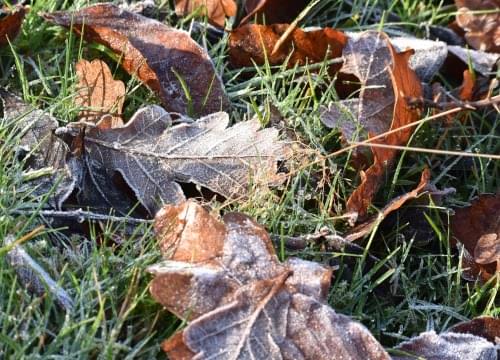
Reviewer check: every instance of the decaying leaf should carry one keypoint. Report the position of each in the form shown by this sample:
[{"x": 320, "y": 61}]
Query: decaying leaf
[
  {"x": 10, "y": 22},
  {"x": 273, "y": 11},
  {"x": 163, "y": 58},
  {"x": 482, "y": 62},
  {"x": 366, "y": 227},
  {"x": 447, "y": 346},
  {"x": 255, "y": 43},
  {"x": 477, "y": 228},
  {"x": 40, "y": 149},
  {"x": 215, "y": 10},
  {"x": 482, "y": 30},
  {"x": 240, "y": 301},
  {"x": 154, "y": 157},
  {"x": 98, "y": 93},
  {"x": 387, "y": 81},
  {"x": 484, "y": 326}
]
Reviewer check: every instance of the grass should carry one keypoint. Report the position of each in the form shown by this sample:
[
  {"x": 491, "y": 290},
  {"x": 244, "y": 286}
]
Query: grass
[{"x": 416, "y": 284}]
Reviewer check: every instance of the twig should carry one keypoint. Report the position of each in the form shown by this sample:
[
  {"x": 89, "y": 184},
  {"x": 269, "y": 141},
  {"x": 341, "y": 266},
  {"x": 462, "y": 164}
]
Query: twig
[
  {"x": 81, "y": 215},
  {"x": 33, "y": 276}
]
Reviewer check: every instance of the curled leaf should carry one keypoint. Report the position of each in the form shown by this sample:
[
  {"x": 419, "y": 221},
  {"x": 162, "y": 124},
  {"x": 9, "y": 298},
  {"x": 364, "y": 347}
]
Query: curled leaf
[
  {"x": 255, "y": 43},
  {"x": 215, "y": 10},
  {"x": 98, "y": 93},
  {"x": 387, "y": 81},
  {"x": 167, "y": 60},
  {"x": 240, "y": 301}
]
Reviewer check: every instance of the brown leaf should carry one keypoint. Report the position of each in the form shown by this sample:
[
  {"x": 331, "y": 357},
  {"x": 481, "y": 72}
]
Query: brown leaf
[
  {"x": 482, "y": 30},
  {"x": 10, "y": 23},
  {"x": 447, "y": 346},
  {"x": 256, "y": 42},
  {"x": 477, "y": 228},
  {"x": 240, "y": 301},
  {"x": 215, "y": 10},
  {"x": 366, "y": 227},
  {"x": 98, "y": 93},
  {"x": 156, "y": 53},
  {"x": 273, "y": 11},
  {"x": 387, "y": 81},
  {"x": 485, "y": 326},
  {"x": 154, "y": 157}
]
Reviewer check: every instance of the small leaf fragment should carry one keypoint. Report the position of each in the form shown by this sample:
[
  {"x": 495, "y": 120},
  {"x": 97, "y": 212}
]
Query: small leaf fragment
[
  {"x": 10, "y": 23},
  {"x": 156, "y": 53},
  {"x": 98, "y": 93},
  {"x": 215, "y": 10}
]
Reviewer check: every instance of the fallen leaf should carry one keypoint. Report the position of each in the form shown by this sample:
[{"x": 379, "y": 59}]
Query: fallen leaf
[
  {"x": 477, "y": 228},
  {"x": 482, "y": 62},
  {"x": 273, "y": 11},
  {"x": 482, "y": 29},
  {"x": 215, "y": 10},
  {"x": 240, "y": 301},
  {"x": 447, "y": 346},
  {"x": 254, "y": 43},
  {"x": 10, "y": 23},
  {"x": 387, "y": 81},
  {"x": 153, "y": 157},
  {"x": 484, "y": 326},
  {"x": 163, "y": 58},
  {"x": 366, "y": 227},
  {"x": 40, "y": 149},
  {"x": 97, "y": 93}
]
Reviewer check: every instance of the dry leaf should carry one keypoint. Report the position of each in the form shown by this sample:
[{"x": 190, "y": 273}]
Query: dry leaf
[
  {"x": 241, "y": 302},
  {"x": 10, "y": 23},
  {"x": 256, "y": 42},
  {"x": 477, "y": 228},
  {"x": 484, "y": 326},
  {"x": 366, "y": 227},
  {"x": 157, "y": 54},
  {"x": 387, "y": 81},
  {"x": 482, "y": 62},
  {"x": 482, "y": 30},
  {"x": 153, "y": 157},
  {"x": 98, "y": 93},
  {"x": 40, "y": 149},
  {"x": 447, "y": 346},
  {"x": 273, "y": 11},
  {"x": 215, "y": 10}
]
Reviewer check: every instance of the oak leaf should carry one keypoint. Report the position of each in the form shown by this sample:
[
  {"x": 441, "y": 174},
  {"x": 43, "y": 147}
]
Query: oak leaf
[
  {"x": 153, "y": 157},
  {"x": 387, "y": 81},
  {"x": 482, "y": 28},
  {"x": 10, "y": 22},
  {"x": 240, "y": 301},
  {"x": 477, "y": 228},
  {"x": 215, "y": 10},
  {"x": 167, "y": 60},
  {"x": 254, "y": 43},
  {"x": 98, "y": 93}
]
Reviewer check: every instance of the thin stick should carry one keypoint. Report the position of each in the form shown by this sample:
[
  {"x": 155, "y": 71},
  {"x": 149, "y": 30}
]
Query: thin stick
[
  {"x": 81, "y": 215},
  {"x": 430, "y": 151}
]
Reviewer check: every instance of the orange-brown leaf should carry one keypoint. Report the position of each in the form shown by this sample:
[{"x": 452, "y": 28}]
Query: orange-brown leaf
[
  {"x": 215, "y": 10},
  {"x": 477, "y": 228},
  {"x": 98, "y": 93},
  {"x": 273, "y": 11},
  {"x": 156, "y": 53},
  {"x": 10, "y": 24},
  {"x": 484, "y": 326},
  {"x": 256, "y": 42}
]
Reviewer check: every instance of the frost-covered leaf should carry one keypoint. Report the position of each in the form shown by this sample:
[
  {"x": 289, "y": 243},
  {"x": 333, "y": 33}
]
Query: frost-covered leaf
[
  {"x": 486, "y": 327},
  {"x": 240, "y": 301},
  {"x": 154, "y": 157},
  {"x": 482, "y": 62},
  {"x": 41, "y": 149},
  {"x": 162, "y": 57},
  {"x": 387, "y": 81},
  {"x": 447, "y": 346}
]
